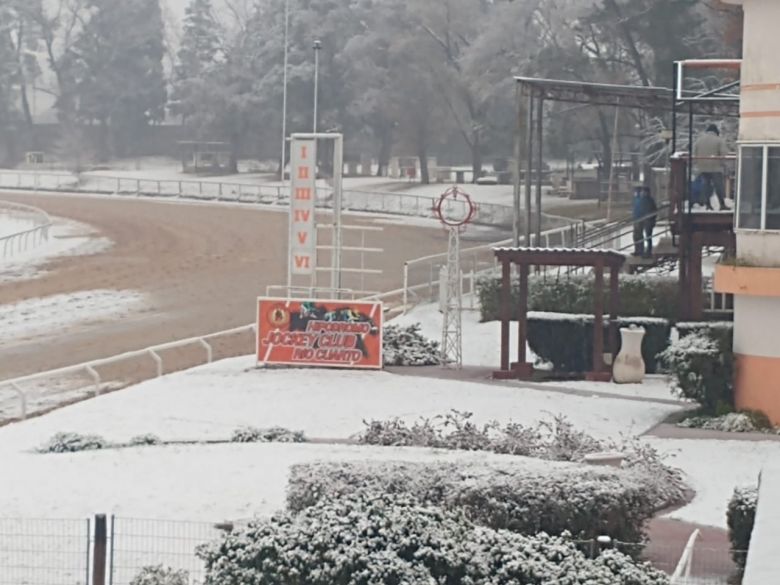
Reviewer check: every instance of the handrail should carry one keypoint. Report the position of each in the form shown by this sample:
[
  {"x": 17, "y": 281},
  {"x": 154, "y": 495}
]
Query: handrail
[
  {"x": 21, "y": 238},
  {"x": 90, "y": 367},
  {"x": 404, "y": 204}
]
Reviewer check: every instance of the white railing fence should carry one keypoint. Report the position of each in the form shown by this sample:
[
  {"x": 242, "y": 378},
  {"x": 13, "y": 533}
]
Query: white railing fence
[
  {"x": 23, "y": 240},
  {"x": 404, "y": 204},
  {"x": 420, "y": 275},
  {"x": 92, "y": 370}
]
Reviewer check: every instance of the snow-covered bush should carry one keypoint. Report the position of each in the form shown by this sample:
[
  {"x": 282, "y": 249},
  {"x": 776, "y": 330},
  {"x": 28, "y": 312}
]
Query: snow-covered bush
[
  {"x": 406, "y": 346},
  {"x": 73, "y": 442},
  {"x": 272, "y": 435},
  {"x": 555, "y": 439},
  {"x": 732, "y": 422},
  {"x": 741, "y": 517},
  {"x": 160, "y": 575},
  {"x": 703, "y": 370},
  {"x": 522, "y": 497},
  {"x": 145, "y": 440},
  {"x": 375, "y": 538}
]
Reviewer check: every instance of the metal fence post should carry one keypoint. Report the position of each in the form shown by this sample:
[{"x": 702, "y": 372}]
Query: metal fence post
[
  {"x": 111, "y": 554},
  {"x": 99, "y": 554}
]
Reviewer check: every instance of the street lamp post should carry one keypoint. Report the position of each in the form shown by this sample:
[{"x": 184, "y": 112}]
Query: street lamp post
[
  {"x": 317, "y": 47},
  {"x": 284, "y": 86}
]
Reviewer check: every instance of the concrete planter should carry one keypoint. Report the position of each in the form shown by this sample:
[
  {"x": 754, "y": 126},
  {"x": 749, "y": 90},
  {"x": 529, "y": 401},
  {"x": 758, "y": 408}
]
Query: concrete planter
[{"x": 629, "y": 367}]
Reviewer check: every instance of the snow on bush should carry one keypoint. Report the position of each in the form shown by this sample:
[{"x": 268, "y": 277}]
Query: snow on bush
[
  {"x": 702, "y": 366},
  {"x": 587, "y": 502},
  {"x": 375, "y": 538},
  {"x": 406, "y": 346},
  {"x": 553, "y": 440},
  {"x": 160, "y": 575},
  {"x": 272, "y": 435},
  {"x": 145, "y": 440},
  {"x": 732, "y": 422},
  {"x": 741, "y": 517},
  {"x": 73, "y": 442}
]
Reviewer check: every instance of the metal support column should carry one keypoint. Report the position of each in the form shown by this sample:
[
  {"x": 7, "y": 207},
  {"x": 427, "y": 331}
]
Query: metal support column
[{"x": 452, "y": 329}]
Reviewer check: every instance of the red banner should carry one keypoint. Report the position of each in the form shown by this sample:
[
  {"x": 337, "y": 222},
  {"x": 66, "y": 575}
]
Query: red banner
[{"x": 338, "y": 334}]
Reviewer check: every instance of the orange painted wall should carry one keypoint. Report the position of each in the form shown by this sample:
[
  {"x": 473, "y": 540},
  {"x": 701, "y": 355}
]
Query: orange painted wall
[
  {"x": 758, "y": 385},
  {"x": 747, "y": 280}
]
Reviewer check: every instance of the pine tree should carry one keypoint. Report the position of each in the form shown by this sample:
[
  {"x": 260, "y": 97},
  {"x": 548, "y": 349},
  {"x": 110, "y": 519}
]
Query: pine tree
[
  {"x": 119, "y": 70},
  {"x": 200, "y": 42}
]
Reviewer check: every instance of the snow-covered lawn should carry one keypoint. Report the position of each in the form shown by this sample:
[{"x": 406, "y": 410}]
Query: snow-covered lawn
[
  {"x": 207, "y": 483},
  {"x": 66, "y": 238},
  {"x": 34, "y": 318},
  {"x": 212, "y": 401}
]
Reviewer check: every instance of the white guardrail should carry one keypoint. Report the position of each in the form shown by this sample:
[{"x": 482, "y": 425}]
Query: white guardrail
[
  {"x": 353, "y": 200},
  {"x": 419, "y": 275},
  {"x": 90, "y": 369},
  {"x": 21, "y": 241}
]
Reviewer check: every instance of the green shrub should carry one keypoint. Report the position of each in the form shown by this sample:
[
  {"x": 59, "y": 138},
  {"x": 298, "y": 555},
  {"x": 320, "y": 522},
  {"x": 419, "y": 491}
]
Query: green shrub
[
  {"x": 566, "y": 341},
  {"x": 552, "y": 440},
  {"x": 523, "y": 498},
  {"x": 73, "y": 442},
  {"x": 710, "y": 328},
  {"x": 639, "y": 296},
  {"x": 272, "y": 435},
  {"x": 372, "y": 539},
  {"x": 703, "y": 370},
  {"x": 741, "y": 517},
  {"x": 406, "y": 346},
  {"x": 160, "y": 575}
]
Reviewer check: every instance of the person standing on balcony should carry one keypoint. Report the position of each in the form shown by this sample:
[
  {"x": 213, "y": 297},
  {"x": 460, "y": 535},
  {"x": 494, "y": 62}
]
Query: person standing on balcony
[
  {"x": 638, "y": 216},
  {"x": 708, "y": 153},
  {"x": 649, "y": 211}
]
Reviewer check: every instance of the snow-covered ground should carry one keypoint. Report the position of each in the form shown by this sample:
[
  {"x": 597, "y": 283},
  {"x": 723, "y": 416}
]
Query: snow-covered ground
[
  {"x": 210, "y": 402},
  {"x": 13, "y": 224},
  {"x": 34, "y": 318},
  {"x": 66, "y": 238},
  {"x": 714, "y": 469}
]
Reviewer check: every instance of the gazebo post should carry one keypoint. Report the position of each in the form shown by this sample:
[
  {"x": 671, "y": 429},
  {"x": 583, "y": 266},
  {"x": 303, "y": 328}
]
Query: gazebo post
[
  {"x": 614, "y": 308},
  {"x": 599, "y": 371},
  {"x": 506, "y": 313},
  {"x": 522, "y": 368}
]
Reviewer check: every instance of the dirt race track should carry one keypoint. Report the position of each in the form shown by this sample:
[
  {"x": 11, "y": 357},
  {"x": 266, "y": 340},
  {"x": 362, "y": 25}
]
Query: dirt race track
[{"x": 202, "y": 267}]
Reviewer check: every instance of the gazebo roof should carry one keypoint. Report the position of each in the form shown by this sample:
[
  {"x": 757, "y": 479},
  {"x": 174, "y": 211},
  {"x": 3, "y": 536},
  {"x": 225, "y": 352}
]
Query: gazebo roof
[{"x": 560, "y": 256}]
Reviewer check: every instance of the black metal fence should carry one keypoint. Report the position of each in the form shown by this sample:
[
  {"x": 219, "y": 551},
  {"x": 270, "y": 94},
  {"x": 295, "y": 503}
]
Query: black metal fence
[{"x": 112, "y": 551}]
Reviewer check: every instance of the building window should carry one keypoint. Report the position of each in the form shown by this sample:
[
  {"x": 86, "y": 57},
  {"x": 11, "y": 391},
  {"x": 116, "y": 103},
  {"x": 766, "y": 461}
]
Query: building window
[
  {"x": 758, "y": 206},
  {"x": 773, "y": 188}
]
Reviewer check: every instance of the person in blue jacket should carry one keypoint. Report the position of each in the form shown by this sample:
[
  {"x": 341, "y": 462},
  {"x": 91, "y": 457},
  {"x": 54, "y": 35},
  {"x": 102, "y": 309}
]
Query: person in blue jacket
[{"x": 639, "y": 242}]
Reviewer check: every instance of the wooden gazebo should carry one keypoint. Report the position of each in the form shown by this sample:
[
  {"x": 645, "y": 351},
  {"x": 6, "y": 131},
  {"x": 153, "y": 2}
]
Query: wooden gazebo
[{"x": 524, "y": 258}]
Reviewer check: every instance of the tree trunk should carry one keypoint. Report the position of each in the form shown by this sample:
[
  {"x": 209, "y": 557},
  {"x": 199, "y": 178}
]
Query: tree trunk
[
  {"x": 234, "y": 153},
  {"x": 385, "y": 150},
  {"x": 476, "y": 159}
]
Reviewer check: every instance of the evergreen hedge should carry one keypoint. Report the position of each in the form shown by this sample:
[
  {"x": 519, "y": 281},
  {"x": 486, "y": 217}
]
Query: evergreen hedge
[
  {"x": 527, "y": 499},
  {"x": 566, "y": 340},
  {"x": 640, "y": 296}
]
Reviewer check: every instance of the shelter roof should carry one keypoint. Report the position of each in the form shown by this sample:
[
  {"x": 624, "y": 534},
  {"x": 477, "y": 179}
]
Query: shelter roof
[{"x": 560, "y": 256}]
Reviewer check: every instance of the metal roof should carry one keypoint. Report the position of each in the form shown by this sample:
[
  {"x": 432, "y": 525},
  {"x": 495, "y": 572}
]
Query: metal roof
[
  {"x": 627, "y": 96},
  {"x": 560, "y": 256}
]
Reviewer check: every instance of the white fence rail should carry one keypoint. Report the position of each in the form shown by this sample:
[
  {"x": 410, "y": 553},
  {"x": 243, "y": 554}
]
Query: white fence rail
[
  {"x": 404, "y": 204},
  {"x": 420, "y": 275},
  {"x": 23, "y": 240},
  {"x": 90, "y": 369}
]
